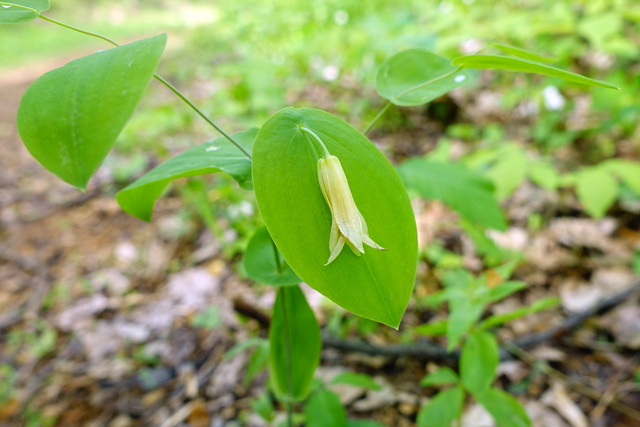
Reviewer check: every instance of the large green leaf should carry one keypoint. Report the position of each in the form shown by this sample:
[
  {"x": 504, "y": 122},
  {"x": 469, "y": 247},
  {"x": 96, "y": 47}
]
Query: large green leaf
[
  {"x": 12, "y": 13},
  {"x": 294, "y": 345},
  {"x": 417, "y": 76},
  {"x": 478, "y": 361},
  {"x": 464, "y": 191},
  {"x": 376, "y": 285},
  {"x": 443, "y": 409},
  {"x": 264, "y": 264},
  {"x": 214, "y": 156},
  {"x": 526, "y": 66},
  {"x": 504, "y": 408},
  {"x": 70, "y": 117}
]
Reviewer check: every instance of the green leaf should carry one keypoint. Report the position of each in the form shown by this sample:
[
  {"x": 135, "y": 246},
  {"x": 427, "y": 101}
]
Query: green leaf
[
  {"x": 508, "y": 172},
  {"x": 294, "y": 345},
  {"x": 70, "y": 117},
  {"x": 478, "y": 361},
  {"x": 364, "y": 423},
  {"x": 417, "y": 76},
  {"x": 443, "y": 409},
  {"x": 263, "y": 406},
  {"x": 257, "y": 363},
  {"x": 243, "y": 346},
  {"x": 464, "y": 294},
  {"x": 526, "y": 66},
  {"x": 597, "y": 190},
  {"x": 263, "y": 263},
  {"x": 499, "y": 319},
  {"x": 376, "y": 285},
  {"x": 218, "y": 155},
  {"x": 14, "y": 14},
  {"x": 627, "y": 170},
  {"x": 325, "y": 410},
  {"x": 464, "y": 191},
  {"x": 503, "y": 290},
  {"x": 522, "y": 53},
  {"x": 433, "y": 329},
  {"x": 544, "y": 175},
  {"x": 504, "y": 408},
  {"x": 442, "y": 376},
  {"x": 355, "y": 379}
]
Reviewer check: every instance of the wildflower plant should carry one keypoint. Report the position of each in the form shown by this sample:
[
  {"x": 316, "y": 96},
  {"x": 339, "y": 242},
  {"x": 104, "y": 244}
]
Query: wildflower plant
[{"x": 319, "y": 184}]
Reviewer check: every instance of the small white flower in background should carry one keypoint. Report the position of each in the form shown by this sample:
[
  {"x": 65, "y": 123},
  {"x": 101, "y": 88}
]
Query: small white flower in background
[
  {"x": 330, "y": 73},
  {"x": 553, "y": 99},
  {"x": 347, "y": 223},
  {"x": 341, "y": 17}
]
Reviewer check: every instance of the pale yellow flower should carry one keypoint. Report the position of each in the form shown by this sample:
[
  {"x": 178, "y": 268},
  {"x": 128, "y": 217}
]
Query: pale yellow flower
[{"x": 347, "y": 223}]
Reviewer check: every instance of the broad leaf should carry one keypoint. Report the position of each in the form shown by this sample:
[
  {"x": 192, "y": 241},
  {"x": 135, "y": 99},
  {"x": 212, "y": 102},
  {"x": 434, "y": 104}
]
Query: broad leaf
[
  {"x": 544, "y": 175},
  {"x": 504, "y": 408},
  {"x": 627, "y": 170},
  {"x": 464, "y": 191},
  {"x": 325, "y": 410},
  {"x": 442, "y": 376},
  {"x": 376, "y": 285},
  {"x": 443, "y": 409},
  {"x": 478, "y": 361},
  {"x": 522, "y": 53},
  {"x": 70, "y": 117},
  {"x": 218, "y": 155},
  {"x": 526, "y": 66},
  {"x": 294, "y": 345},
  {"x": 417, "y": 76},
  {"x": 465, "y": 296},
  {"x": 15, "y": 14},
  {"x": 503, "y": 290},
  {"x": 264, "y": 263},
  {"x": 597, "y": 190},
  {"x": 433, "y": 329}
]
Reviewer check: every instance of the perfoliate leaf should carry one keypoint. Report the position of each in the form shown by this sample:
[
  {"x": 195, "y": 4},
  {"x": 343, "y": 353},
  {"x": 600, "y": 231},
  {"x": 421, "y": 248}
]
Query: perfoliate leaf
[
  {"x": 526, "y": 66},
  {"x": 464, "y": 191},
  {"x": 70, "y": 117},
  {"x": 218, "y": 155},
  {"x": 417, "y": 76},
  {"x": 376, "y": 285},
  {"x": 294, "y": 345},
  {"x": 15, "y": 14},
  {"x": 478, "y": 361},
  {"x": 264, "y": 264}
]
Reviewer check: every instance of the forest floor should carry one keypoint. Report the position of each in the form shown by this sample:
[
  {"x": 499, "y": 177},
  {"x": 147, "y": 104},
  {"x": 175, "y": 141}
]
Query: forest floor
[{"x": 109, "y": 321}]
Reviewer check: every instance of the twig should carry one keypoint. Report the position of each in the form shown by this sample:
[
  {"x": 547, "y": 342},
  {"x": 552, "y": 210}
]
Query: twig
[
  {"x": 428, "y": 349},
  {"x": 576, "y": 385}
]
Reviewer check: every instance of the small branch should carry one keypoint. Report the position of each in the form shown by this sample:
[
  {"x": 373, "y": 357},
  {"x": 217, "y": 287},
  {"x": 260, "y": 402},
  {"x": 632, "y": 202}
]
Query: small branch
[{"x": 376, "y": 118}]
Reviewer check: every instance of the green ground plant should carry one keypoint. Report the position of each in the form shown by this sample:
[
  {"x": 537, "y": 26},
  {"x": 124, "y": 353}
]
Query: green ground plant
[{"x": 321, "y": 185}]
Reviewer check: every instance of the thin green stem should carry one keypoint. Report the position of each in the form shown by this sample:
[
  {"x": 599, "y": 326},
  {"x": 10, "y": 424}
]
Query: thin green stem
[
  {"x": 276, "y": 255},
  {"x": 325, "y": 152},
  {"x": 79, "y": 30},
  {"x": 427, "y": 83},
  {"x": 376, "y": 118},
  {"x": 157, "y": 77}
]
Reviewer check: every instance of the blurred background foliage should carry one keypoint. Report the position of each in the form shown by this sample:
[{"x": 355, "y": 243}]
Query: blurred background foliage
[{"x": 241, "y": 61}]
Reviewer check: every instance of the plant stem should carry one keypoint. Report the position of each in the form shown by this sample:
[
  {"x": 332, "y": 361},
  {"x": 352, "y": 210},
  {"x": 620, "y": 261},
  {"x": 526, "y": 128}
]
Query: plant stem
[
  {"x": 157, "y": 77},
  {"x": 309, "y": 132},
  {"x": 276, "y": 255},
  {"x": 376, "y": 118}
]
